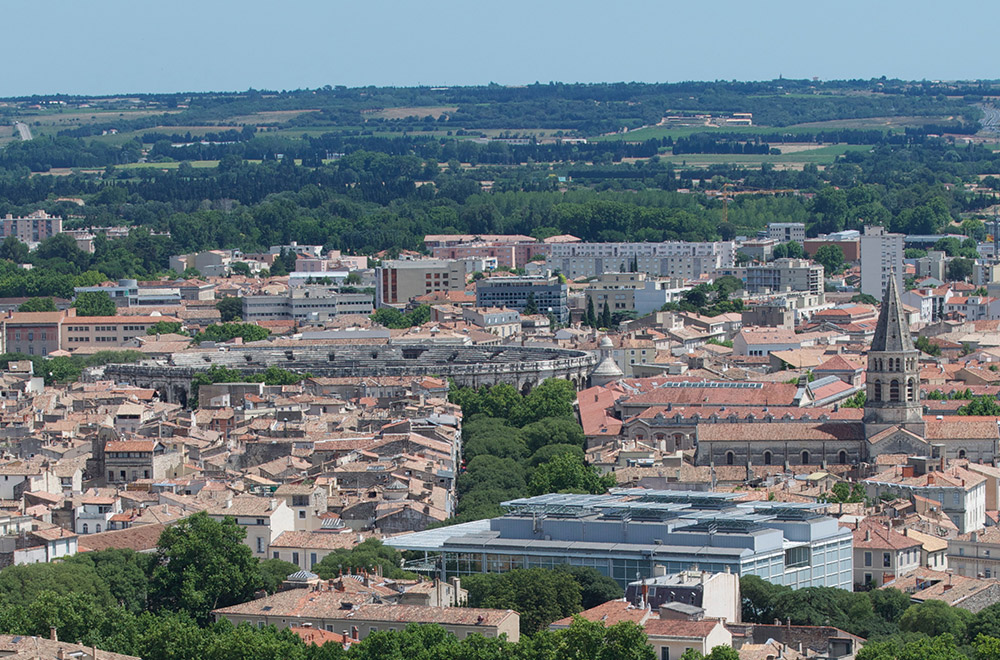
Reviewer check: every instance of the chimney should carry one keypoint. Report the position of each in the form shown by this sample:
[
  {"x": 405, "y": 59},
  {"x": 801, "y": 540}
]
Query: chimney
[
  {"x": 52, "y": 634},
  {"x": 354, "y": 633},
  {"x": 868, "y": 535}
]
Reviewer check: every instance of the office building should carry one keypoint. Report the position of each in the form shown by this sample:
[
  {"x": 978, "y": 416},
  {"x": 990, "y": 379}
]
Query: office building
[
  {"x": 785, "y": 275},
  {"x": 306, "y": 304},
  {"x": 785, "y": 232},
  {"x": 625, "y": 534},
  {"x": 881, "y": 254},
  {"x": 550, "y": 295}
]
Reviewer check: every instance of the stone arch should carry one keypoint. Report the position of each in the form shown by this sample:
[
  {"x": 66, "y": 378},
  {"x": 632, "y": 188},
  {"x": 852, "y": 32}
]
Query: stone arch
[
  {"x": 526, "y": 388},
  {"x": 180, "y": 395},
  {"x": 961, "y": 453}
]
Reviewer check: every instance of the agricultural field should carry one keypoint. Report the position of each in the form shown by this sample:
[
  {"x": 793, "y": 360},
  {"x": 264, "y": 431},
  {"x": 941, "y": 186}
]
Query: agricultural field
[
  {"x": 414, "y": 111},
  {"x": 796, "y": 158},
  {"x": 265, "y": 118}
]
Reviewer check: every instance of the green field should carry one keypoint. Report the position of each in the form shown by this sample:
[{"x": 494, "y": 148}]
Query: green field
[
  {"x": 819, "y": 156},
  {"x": 168, "y": 166}
]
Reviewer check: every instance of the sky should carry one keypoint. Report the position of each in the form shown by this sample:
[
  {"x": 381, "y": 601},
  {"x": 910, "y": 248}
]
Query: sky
[{"x": 118, "y": 46}]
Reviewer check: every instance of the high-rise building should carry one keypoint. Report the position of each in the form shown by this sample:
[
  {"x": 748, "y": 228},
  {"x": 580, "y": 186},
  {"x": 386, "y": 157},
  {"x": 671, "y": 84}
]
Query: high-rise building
[
  {"x": 33, "y": 228},
  {"x": 881, "y": 255}
]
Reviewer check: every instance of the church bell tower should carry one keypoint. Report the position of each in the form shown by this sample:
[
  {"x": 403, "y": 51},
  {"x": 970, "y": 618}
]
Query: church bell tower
[{"x": 892, "y": 386}]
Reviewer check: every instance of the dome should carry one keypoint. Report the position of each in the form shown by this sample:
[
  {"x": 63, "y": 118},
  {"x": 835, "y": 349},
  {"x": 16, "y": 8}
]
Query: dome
[
  {"x": 607, "y": 368},
  {"x": 606, "y": 342}
]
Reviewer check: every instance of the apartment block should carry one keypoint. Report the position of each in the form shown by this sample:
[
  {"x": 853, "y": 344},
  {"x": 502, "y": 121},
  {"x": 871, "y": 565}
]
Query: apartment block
[
  {"x": 668, "y": 259},
  {"x": 881, "y": 255},
  {"x": 512, "y": 255},
  {"x": 398, "y": 282},
  {"x": 33, "y": 228}
]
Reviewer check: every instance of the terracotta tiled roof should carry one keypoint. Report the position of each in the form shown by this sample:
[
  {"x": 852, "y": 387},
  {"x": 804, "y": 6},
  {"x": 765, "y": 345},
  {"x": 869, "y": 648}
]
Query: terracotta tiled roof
[
  {"x": 876, "y": 536},
  {"x": 141, "y": 538},
  {"x": 780, "y": 432},
  {"x": 316, "y": 540},
  {"x": 305, "y": 603},
  {"x": 609, "y": 614},
  {"x": 680, "y": 628}
]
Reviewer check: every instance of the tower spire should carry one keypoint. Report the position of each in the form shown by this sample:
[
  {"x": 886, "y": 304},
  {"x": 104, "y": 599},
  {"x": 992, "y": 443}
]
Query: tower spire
[
  {"x": 892, "y": 381},
  {"x": 892, "y": 333}
]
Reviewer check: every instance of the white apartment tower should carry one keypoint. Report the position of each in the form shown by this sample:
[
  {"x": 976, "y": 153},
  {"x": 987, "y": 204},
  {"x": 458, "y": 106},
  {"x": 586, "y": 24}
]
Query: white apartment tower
[{"x": 881, "y": 255}]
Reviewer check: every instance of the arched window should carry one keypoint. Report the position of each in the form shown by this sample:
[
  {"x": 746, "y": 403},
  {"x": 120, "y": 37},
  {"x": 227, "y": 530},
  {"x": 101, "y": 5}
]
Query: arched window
[
  {"x": 842, "y": 457},
  {"x": 961, "y": 453},
  {"x": 805, "y": 458},
  {"x": 730, "y": 457},
  {"x": 910, "y": 390},
  {"x": 878, "y": 390},
  {"x": 86, "y": 528},
  {"x": 767, "y": 458},
  {"x": 894, "y": 390}
]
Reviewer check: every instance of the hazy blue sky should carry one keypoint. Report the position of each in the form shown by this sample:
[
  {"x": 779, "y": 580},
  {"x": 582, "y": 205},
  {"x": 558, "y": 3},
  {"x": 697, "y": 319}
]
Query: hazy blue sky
[{"x": 111, "y": 46}]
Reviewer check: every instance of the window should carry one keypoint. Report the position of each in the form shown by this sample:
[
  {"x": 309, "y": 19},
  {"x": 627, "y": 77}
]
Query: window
[
  {"x": 842, "y": 457},
  {"x": 886, "y": 559},
  {"x": 86, "y": 528},
  {"x": 98, "y": 528},
  {"x": 664, "y": 653},
  {"x": 805, "y": 458},
  {"x": 295, "y": 558},
  {"x": 312, "y": 559},
  {"x": 274, "y": 555},
  {"x": 260, "y": 544},
  {"x": 302, "y": 515},
  {"x": 868, "y": 578},
  {"x": 730, "y": 458},
  {"x": 878, "y": 390},
  {"x": 894, "y": 390},
  {"x": 868, "y": 559},
  {"x": 767, "y": 458}
]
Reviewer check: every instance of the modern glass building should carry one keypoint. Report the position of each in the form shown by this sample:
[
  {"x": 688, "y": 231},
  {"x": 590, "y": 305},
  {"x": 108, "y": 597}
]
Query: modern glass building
[{"x": 626, "y": 533}]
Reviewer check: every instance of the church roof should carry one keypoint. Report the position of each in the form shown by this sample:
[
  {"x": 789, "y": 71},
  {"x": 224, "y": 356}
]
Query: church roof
[
  {"x": 780, "y": 432},
  {"x": 892, "y": 333}
]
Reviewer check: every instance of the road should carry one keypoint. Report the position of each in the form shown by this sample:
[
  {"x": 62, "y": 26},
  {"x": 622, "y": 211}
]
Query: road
[
  {"x": 23, "y": 130},
  {"x": 991, "y": 118}
]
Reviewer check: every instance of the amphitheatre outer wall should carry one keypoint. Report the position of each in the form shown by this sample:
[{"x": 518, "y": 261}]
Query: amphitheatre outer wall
[{"x": 468, "y": 366}]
